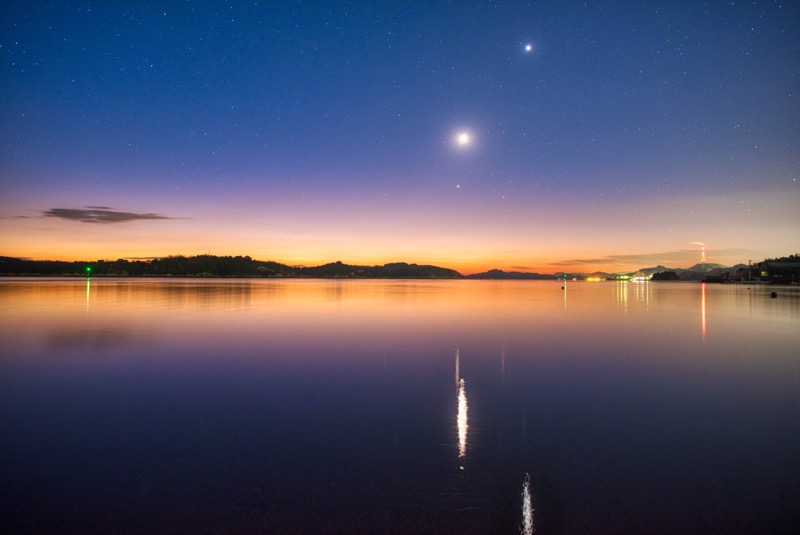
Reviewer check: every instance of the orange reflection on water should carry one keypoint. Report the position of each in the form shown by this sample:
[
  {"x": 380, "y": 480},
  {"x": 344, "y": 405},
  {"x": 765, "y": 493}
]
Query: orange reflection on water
[
  {"x": 307, "y": 322},
  {"x": 621, "y": 295},
  {"x": 703, "y": 308}
]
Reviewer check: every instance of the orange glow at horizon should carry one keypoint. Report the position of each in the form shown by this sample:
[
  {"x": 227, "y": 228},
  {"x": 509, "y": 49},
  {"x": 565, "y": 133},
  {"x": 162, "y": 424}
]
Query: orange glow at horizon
[
  {"x": 463, "y": 264},
  {"x": 467, "y": 235}
]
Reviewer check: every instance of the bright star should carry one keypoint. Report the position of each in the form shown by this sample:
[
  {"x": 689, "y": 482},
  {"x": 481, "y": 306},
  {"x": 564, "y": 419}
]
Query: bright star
[
  {"x": 462, "y": 139},
  {"x": 528, "y": 47}
]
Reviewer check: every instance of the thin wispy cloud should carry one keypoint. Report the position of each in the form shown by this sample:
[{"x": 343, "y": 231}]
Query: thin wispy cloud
[{"x": 100, "y": 214}]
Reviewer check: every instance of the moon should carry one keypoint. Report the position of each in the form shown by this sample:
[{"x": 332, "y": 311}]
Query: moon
[{"x": 463, "y": 139}]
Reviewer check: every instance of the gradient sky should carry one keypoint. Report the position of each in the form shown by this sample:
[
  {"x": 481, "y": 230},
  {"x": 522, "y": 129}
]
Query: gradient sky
[{"x": 310, "y": 132}]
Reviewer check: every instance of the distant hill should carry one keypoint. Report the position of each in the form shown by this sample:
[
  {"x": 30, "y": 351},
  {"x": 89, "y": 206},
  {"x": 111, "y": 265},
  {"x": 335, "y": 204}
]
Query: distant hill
[
  {"x": 665, "y": 276},
  {"x": 705, "y": 267},
  {"x": 699, "y": 272},
  {"x": 401, "y": 270},
  {"x": 653, "y": 270},
  {"x": 499, "y": 274},
  {"x": 397, "y": 270}
]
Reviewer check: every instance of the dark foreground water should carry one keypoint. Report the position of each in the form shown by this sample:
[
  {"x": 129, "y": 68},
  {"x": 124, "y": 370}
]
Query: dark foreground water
[{"x": 306, "y": 406}]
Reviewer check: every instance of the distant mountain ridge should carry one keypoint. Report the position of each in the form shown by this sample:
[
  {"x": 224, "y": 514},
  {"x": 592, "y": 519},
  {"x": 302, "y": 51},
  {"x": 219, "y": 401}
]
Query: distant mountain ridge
[
  {"x": 706, "y": 267},
  {"x": 245, "y": 266},
  {"x": 696, "y": 272}
]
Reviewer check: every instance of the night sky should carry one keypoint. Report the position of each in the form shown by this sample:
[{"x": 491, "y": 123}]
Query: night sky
[{"x": 599, "y": 135}]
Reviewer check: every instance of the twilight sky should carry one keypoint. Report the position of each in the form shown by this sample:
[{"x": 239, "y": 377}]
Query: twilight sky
[{"x": 602, "y": 135}]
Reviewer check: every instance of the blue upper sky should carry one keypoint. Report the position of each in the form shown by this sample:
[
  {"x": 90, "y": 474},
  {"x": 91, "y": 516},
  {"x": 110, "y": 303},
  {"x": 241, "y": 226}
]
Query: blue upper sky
[{"x": 179, "y": 105}]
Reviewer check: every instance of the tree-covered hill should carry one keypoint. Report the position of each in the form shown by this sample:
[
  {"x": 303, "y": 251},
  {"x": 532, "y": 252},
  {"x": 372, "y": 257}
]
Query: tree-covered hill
[
  {"x": 218, "y": 266},
  {"x": 499, "y": 274}
]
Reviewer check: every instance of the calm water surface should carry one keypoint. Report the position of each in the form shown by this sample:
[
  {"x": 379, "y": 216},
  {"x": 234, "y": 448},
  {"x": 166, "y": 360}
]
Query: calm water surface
[{"x": 303, "y": 406}]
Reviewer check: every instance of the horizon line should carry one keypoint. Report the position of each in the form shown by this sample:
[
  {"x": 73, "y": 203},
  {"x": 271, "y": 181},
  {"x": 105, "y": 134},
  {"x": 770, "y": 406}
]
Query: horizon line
[{"x": 302, "y": 266}]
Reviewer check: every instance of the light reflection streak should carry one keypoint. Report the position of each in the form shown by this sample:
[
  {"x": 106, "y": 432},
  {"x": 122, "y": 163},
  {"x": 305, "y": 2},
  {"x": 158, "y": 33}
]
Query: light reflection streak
[
  {"x": 461, "y": 420},
  {"x": 461, "y": 417},
  {"x": 88, "y": 290},
  {"x": 703, "y": 309},
  {"x": 458, "y": 372},
  {"x": 527, "y": 507},
  {"x": 503, "y": 363},
  {"x": 622, "y": 295}
]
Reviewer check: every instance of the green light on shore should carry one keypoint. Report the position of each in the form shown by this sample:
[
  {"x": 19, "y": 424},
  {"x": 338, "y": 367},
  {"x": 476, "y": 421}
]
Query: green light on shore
[{"x": 88, "y": 270}]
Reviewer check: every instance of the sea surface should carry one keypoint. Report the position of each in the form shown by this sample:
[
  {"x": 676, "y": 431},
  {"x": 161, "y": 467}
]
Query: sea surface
[{"x": 398, "y": 406}]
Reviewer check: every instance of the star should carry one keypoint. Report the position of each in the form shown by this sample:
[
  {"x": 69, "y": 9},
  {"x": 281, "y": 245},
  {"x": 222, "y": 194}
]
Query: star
[
  {"x": 528, "y": 47},
  {"x": 463, "y": 139}
]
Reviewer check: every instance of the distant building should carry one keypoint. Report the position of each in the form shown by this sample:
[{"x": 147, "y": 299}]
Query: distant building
[{"x": 779, "y": 271}]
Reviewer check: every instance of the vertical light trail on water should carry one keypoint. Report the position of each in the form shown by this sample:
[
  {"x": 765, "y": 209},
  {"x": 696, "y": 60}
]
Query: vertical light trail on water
[
  {"x": 703, "y": 308},
  {"x": 461, "y": 417},
  {"x": 458, "y": 372},
  {"x": 461, "y": 420},
  {"x": 527, "y": 507},
  {"x": 503, "y": 363}
]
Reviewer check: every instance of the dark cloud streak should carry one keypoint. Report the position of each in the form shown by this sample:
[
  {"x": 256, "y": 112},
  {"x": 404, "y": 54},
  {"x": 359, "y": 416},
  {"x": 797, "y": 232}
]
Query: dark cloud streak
[{"x": 99, "y": 214}]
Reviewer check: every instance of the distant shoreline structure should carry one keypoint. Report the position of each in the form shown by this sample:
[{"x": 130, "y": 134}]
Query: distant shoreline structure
[{"x": 778, "y": 270}]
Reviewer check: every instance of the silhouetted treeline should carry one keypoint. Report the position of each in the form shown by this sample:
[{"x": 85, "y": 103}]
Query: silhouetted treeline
[
  {"x": 217, "y": 266},
  {"x": 785, "y": 269},
  {"x": 665, "y": 276}
]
